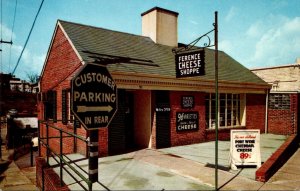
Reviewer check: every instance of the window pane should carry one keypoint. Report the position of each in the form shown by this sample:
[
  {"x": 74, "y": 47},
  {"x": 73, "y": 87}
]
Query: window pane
[
  {"x": 222, "y": 109},
  {"x": 207, "y": 100},
  {"x": 229, "y": 109},
  {"x": 279, "y": 101}
]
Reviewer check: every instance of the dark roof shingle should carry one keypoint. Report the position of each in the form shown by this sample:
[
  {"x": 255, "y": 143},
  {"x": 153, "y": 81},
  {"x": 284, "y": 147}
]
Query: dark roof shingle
[{"x": 89, "y": 39}]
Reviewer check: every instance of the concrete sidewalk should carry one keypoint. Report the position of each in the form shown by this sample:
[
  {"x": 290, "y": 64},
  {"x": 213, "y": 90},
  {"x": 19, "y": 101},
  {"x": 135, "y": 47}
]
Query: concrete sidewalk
[
  {"x": 133, "y": 171},
  {"x": 205, "y": 153},
  {"x": 187, "y": 167},
  {"x": 15, "y": 179}
]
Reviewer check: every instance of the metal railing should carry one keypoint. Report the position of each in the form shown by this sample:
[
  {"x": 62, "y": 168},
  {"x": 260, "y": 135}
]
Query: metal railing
[{"x": 60, "y": 158}]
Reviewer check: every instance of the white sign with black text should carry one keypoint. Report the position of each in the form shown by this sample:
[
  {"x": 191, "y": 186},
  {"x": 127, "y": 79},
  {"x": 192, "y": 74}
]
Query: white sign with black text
[{"x": 245, "y": 148}]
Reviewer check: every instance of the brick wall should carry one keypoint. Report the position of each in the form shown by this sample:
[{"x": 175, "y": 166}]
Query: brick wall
[
  {"x": 284, "y": 121},
  {"x": 103, "y": 142},
  {"x": 46, "y": 177},
  {"x": 256, "y": 111},
  {"x": 61, "y": 65},
  {"x": 188, "y": 137},
  {"x": 277, "y": 159},
  {"x": 255, "y": 118}
]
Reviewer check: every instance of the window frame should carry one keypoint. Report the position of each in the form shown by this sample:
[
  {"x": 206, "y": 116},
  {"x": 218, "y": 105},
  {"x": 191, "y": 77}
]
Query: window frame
[
  {"x": 232, "y": 114},
  {"x": 279, "y": 101},
  {"x": 50, "y": 105}
]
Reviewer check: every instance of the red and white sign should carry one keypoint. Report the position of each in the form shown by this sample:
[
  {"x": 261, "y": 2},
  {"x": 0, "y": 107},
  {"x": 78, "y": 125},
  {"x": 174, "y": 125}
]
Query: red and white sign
[{"x": 245, "y": 148}]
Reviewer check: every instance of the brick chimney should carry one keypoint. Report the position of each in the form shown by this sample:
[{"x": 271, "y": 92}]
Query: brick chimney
[{"x": 161, "y": 26}]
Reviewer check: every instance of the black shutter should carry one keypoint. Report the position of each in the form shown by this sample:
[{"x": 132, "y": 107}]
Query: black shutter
[
  {"x": 54, "y": 104},
  {"x": 163, "y": 131},
  {"x": 116, "y": 130},
  {"x": 64, "y": 106}
]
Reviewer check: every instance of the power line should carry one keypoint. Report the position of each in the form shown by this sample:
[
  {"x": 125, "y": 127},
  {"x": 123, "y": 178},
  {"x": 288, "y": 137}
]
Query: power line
[
  {"x": 1, "y": 39},
  {"x": 1, "y": 20},
  {"x": 28, "y": 37}
]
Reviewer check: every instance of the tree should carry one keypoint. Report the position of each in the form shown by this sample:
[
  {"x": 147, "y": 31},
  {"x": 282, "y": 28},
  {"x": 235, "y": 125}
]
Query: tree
[{"x": 32, "y": 77}]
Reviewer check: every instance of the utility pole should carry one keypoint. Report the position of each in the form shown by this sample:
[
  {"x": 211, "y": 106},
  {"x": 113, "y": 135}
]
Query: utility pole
[{"x": 6, "y": 42}]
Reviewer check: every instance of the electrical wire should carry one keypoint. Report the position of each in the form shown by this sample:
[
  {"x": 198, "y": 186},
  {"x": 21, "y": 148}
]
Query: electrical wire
[
  {"x": 28, "y": 37},
  {"x": 1, "y": 67},
  {"x": 12, "y": 31}
]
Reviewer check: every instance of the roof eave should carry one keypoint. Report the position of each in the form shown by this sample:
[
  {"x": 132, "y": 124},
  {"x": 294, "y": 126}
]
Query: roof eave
[{"x": 158, "y": 82}]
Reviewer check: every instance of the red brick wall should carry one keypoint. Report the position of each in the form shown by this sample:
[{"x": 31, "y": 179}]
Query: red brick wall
[
  {"x": 103, "y": 142},
  {"x": 50, "y": 179},
  {"x": 256, "y": 111},
  {"x": 284, "y": 121},
  {"x": 188, "y": 137},
  {"x": 57, "y": 73},
  {"x": 62, "y": 63},
  {"x": 277, "y": 159},
  {"x": 255, "y": 118}
]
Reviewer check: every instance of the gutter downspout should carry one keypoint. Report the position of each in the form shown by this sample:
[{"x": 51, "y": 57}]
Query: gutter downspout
[{"x": 267, "y": 108}]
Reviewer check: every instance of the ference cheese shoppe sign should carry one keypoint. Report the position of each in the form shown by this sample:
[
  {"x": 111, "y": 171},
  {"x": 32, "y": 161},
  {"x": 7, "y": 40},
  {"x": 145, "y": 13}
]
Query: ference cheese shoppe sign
[
  {"x": 190, "y": 64},
  {"x": 245, "y": 148}
]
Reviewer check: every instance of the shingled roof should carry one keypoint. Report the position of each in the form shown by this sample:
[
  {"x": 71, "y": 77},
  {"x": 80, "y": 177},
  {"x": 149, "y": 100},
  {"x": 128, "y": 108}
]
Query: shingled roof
[{"x": 93, "y": 42}]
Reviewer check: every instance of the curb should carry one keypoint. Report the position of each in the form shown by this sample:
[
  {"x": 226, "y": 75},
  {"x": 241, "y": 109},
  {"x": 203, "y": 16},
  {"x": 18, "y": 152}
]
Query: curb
[{"x": 277, "y": 159}]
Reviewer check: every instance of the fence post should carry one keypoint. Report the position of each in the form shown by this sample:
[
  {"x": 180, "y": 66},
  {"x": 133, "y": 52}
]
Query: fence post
[
  {"x": 60, "y": 159},
  {"x": 47, "y": 141},
  {"x": 39, "y": 137},
  {"x": 75, "y": 139}
]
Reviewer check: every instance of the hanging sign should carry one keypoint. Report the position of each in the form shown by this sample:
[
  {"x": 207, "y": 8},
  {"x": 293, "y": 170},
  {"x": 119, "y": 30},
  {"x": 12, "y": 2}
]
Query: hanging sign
[
  {"x": 190, "y": 64},
  {"x": 245, "y": 148}
]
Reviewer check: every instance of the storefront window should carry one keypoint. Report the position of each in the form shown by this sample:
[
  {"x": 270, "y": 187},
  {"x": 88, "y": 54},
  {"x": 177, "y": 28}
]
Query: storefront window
[
  {"x": 279, "y": 101},
  {"x": 228, "y": 110}
]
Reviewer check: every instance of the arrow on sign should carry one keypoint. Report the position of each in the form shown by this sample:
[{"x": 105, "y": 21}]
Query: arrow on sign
[{"x": 82, "y": 109}]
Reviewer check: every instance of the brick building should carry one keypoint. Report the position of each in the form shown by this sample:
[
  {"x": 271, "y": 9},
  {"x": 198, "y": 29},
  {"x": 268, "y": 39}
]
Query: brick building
[
  {"x": 151, "y": 100},
  {"x": 283, "y": 98},
  {"x": 16, "y": 94}
]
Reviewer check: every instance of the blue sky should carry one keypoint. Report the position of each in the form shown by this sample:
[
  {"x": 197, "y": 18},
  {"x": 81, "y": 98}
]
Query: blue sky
[{"x": 257, "y": 33}]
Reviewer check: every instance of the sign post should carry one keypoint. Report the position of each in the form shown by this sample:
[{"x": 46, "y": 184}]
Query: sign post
[
  {"x": 94, "y": 104},
  {"x": 217, "y": 98},
  {"x": 190, "y": 62}
]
